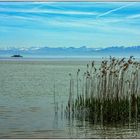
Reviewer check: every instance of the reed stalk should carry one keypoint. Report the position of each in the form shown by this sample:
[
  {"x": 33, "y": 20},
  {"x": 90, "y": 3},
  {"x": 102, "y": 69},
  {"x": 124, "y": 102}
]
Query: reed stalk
[{"x": 110, "y": 93}]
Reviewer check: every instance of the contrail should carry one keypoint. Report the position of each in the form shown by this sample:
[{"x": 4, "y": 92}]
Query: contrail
[{"x": 114, "y": 10}]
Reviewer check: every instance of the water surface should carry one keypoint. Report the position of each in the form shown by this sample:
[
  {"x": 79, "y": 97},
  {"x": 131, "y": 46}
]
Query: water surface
[{"x": 27, "y": 102}]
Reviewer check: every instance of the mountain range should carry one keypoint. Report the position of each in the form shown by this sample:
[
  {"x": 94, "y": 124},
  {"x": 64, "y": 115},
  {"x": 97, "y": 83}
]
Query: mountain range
[{"x": 72, "y": 51}]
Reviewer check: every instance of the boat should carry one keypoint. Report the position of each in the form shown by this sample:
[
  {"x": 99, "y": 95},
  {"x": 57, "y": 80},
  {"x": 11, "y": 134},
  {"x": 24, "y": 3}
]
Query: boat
[{"x": 16, "y": 55}]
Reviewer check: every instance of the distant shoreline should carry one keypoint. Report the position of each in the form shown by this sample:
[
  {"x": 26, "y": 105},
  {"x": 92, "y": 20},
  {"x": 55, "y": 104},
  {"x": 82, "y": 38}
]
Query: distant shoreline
[
  {"x": 53, "y": 59},
  {"x": 49, "y": 59}
]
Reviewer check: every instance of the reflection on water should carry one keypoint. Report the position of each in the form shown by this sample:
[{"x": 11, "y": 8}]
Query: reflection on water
[
  {"x": 28, "y": 109},
  {"x": 81, "y": 129}
]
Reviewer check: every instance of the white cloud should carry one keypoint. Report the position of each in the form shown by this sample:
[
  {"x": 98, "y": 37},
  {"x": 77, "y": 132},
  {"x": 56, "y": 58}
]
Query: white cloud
[
  {"x": 47, "y": 11},
  {"x": 134, "y": 16},
  {"x": 16, "y": 17}
]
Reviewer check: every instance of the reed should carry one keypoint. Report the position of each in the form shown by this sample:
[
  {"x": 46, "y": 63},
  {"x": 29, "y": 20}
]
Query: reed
[{"x": 110, "y": 93}]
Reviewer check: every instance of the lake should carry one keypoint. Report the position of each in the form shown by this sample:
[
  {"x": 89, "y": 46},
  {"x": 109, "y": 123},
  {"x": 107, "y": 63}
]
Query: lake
[{"x": 27, "y": 88}]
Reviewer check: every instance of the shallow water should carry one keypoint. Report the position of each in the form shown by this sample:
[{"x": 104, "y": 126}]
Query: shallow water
[{"x": 27, "y": 102}]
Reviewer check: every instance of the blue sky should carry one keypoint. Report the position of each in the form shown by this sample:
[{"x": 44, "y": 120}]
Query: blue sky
[{"x": 69, "y": 24}]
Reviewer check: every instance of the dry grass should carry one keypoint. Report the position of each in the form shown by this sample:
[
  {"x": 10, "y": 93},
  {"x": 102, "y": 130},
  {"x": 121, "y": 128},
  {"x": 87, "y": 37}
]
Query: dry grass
[{"x": 110, "y": 93}]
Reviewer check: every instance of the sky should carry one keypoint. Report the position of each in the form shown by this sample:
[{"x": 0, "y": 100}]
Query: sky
[{"x": 69, "y": 24}]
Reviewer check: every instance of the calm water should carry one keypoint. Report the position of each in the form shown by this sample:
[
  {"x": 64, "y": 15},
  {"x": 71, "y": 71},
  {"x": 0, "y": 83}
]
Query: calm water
[{"x": 27, "y": 102}]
